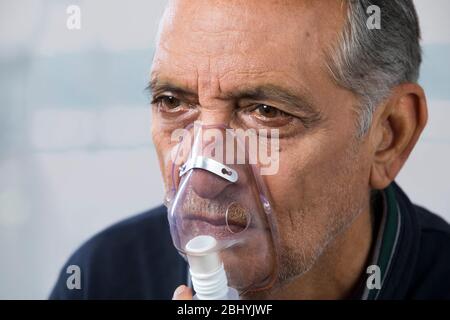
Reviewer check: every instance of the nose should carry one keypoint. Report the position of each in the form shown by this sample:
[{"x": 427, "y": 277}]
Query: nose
[
  {"x": 206, "y": 184},
  {"x": 209, "y": 138}
]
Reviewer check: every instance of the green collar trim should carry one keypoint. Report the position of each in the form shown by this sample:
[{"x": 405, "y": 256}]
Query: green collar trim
[{"x": 389, "y": 231}]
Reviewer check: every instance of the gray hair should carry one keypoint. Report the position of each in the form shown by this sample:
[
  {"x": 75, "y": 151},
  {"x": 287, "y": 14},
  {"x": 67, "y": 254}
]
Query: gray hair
[{"x": 371, "y": 62}]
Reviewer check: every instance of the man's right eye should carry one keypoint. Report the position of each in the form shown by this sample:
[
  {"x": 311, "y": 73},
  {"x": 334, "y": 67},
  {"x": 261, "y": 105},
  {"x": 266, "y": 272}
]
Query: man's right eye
[
  {"x": 175, "y": 109},
  {"x": 167, "y": 103}
]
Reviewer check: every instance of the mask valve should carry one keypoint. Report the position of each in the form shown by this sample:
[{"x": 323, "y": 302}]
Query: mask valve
[{"x": 207, "y": 271}]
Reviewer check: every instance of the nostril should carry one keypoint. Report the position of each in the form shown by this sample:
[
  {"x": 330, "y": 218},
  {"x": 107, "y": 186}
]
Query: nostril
[{"x": 206, "y": 184}]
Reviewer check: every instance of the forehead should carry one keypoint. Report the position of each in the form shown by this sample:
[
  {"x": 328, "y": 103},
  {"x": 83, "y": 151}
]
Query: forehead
[{"x": 240, "y": 39}]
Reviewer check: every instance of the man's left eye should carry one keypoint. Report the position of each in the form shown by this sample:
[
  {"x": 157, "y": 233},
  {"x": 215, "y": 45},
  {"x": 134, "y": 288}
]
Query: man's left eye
[{"x": 268, "y": 112}]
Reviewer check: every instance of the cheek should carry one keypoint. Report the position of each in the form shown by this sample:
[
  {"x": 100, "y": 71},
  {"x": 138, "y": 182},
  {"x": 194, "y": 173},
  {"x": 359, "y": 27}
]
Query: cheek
[
  {"x": 316, "y": 185},
  {"x": 163, "y": 147}
]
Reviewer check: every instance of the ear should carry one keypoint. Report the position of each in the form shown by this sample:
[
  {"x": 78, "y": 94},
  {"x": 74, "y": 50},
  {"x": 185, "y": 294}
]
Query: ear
[{"x": 397, "y": 126}]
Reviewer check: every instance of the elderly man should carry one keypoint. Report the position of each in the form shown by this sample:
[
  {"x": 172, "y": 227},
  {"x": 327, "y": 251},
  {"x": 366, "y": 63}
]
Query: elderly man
[{"x": 345, "y": 101}]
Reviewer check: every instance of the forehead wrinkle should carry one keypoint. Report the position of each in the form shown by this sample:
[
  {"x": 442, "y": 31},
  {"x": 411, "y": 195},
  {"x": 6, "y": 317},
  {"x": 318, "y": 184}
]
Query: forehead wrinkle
[
  {"x": 246, "y": 59},
  {"x": 228, "y": 43},
  {"x": 232, "y": 80},
  {"x": 234, "y": 18},
  {"x": 210, "y": 87},
  {"x": 211, "y": 26}
]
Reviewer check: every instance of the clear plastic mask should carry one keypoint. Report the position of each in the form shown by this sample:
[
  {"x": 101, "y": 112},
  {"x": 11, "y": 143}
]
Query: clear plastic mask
[{"x": 218, "y": 191}]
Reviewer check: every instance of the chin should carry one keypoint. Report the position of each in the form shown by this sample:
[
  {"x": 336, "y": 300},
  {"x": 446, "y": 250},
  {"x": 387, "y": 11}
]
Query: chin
[{"x": 248, "y": 268}]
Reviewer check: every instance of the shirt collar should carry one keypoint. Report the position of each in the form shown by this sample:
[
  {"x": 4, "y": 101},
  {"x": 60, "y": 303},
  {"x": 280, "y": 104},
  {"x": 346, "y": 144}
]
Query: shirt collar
[{"x": 386, "y": 240}]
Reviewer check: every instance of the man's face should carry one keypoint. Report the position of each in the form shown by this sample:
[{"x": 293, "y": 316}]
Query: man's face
[{"x": 216, "y": 49}]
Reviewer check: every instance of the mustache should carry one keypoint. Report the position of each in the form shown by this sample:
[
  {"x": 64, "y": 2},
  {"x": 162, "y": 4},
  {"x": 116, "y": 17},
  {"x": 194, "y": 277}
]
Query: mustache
[
  {"x": 217, "y": 212},
  {"x": 194, "y": 204},
  {"x": 229, "y": 210}
]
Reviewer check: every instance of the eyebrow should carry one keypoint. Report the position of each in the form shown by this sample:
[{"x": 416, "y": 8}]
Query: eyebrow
[
  {"x": 156, "y": 86},
  {"x": 303, "y": 101}
]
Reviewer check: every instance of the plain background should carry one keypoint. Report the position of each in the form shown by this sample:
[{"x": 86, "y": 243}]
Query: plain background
[{"x": 75, "y": 147}]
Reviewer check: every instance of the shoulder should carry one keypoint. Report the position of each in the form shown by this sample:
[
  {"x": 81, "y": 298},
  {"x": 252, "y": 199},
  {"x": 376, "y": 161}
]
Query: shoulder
[
  {"x": 433, "y": 260},
  {"x": 133, "y": 230},
  {"x": 134, "y": 258},
  {"x": 432, "y": 223},
  {"x": 142, "y": 230}
]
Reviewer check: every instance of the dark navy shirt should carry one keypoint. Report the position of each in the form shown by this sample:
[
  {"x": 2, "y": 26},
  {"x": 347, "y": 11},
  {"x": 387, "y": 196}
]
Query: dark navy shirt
[{"x": 135, "y": 259}]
